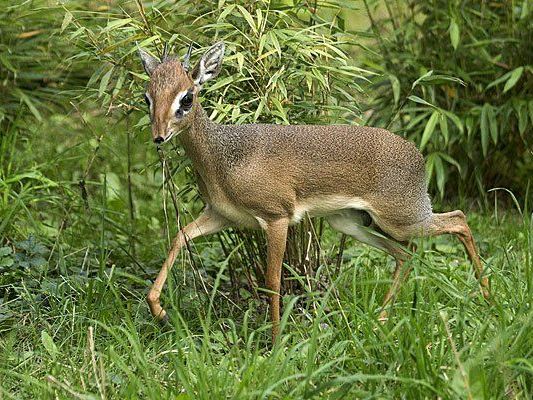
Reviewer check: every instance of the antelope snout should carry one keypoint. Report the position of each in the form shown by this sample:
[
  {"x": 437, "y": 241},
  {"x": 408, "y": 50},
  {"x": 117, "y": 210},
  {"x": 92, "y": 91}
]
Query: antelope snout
[{"x": 160, "y": 131}]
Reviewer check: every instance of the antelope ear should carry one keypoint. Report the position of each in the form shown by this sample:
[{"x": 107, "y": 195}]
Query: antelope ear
[
  {"x": 149, "y": 61},
  {"x": 209, "y": 65}
]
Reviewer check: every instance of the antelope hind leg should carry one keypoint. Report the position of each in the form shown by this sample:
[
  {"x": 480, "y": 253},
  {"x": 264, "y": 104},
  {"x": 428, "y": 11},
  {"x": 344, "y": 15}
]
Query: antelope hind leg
[{"x": 351, "y": 222}]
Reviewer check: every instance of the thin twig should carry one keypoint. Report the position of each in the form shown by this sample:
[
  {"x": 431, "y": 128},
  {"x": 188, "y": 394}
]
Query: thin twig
[
  {"x": 67, "y": 388},
  {"x": 90, "y": 345},
  {"x": 338, "y": 262},
  {"x": 130, "y": 189}
]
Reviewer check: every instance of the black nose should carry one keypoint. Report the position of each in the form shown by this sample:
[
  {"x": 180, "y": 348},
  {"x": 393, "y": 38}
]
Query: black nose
[{"x": 159, "y": 140}]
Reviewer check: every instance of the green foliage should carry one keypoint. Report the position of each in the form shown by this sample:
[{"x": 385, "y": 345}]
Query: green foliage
[
  {"x": 96, "y": 339},
  {"x": 35, "y": 63},
  {"x": 475, "y": 130},
  {"x": 86, "y": 204},
  {"x": 283, "y": 63},
  {"x": 31, "y": 253},
  {"x": 28, "y": 259},
  {"x": 5, "y": 258}
]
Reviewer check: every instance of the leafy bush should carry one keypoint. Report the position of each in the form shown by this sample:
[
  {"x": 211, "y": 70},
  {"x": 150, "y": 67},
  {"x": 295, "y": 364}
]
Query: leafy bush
[
  {"x": 35, "y": 60},
  {"x": 476, "y": 133},
  {"x": 284, "y": 64},
  {"x": 37, "y": 75},
  {"x": 28, "y": 260}
]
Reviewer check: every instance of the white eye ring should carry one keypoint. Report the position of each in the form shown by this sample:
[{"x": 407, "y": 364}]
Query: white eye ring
[{"x": 177, "y": 102}]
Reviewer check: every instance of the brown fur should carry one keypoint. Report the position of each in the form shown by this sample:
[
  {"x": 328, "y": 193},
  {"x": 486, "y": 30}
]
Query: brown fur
[
  {"x": 267, "y": 176},
  {"x": 267, "y": 169}
]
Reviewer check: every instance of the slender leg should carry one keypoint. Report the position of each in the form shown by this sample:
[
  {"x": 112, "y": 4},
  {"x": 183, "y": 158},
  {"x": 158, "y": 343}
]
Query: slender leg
[
  {"x": 470, "y": 246},
  {"x": 276, "y": 233},
  {"x": 207, "y": 223},
  {"x": 455, "y": 223},
  {"x": 349, "y": 223},
  {"x": 399, "y": 276}
]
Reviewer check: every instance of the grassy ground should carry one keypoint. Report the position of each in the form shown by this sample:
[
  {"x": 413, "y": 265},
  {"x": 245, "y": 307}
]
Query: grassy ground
[
  {"x": 90, "y": 335},
  {"x": 85, "y": 219}
]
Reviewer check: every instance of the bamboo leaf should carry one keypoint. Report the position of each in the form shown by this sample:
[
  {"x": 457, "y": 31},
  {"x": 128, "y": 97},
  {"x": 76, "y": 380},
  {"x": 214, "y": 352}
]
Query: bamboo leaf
[
  {"x": 281, "y": 111},
  {"x": 443, "y": 123},
  {"x": 515, "y": 76},
  {"x": 426, "y": 75},
  {"x": 454, "y": 33},
  {"x": 248, "y": 17},
  {"x": 115, "y": 24},
  {"x": 259, "y": 109},
  {"x": 227, "y": 10},
  {"x": 470, "y": 125},
  {"x": 275, "y": 42},
  {"x": 521, "y": 111},
  {"x": 416, "y": 120},
  {"x": 418, "y": 100},
  {"x": 104, "y": 82},
  {"x": 439, "y": 79},
  {"x": 493, "y": 125},
  {"x": 395, "y": 83},
  {"x": 456, "y": 120},
  {"x": 484, "y": 129},
  {"x": 440, "y": 174},
  {"x": 501, "y": 79},
  {"x": 430, "y": 166},
  {"x": 450, "y": 160},
  {"x": 429, "y": 129}
]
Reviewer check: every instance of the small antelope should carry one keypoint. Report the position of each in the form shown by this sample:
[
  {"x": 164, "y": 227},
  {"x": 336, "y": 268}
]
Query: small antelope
[{"x": 367, "y": 182}]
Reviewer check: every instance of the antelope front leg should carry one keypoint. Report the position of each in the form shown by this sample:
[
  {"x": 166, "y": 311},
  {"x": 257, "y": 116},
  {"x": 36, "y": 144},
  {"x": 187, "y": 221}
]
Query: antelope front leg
[
  {"x": 207, "y": 223},
  {"x": 276, "y": 233}
]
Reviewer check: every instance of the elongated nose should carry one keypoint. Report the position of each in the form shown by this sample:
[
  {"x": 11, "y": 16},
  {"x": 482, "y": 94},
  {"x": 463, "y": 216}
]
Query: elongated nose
[{"x": 159, "y": 140}]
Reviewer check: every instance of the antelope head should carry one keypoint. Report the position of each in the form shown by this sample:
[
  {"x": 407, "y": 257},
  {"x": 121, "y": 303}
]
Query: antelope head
[{"x": 172, "y": 92}]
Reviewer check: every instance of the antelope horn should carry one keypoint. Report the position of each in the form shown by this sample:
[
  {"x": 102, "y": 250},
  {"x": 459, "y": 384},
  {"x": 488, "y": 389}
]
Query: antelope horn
[
  {"x": 165, "y": 52},
  {"x": 186, "y": 59}
]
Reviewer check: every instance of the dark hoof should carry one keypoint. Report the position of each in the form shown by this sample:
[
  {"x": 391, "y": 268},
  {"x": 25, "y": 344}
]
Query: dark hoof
[{"x": 164, "y": 320}]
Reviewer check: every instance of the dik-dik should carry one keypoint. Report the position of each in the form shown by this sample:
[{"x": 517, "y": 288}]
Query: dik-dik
[{"x": 367, "y": 182}]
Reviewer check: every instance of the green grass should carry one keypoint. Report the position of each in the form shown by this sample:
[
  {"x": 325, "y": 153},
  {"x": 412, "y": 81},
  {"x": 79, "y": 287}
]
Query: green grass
[
  {"x": 85, "y": 219},
  {"x": 91, "y": 335}
]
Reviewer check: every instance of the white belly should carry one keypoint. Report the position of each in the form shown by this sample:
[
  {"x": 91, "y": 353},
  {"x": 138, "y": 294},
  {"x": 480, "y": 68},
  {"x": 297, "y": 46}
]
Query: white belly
[
  {"x": 239, "y": 216},
  {"x": 326, "y": 205},
  {"x": 315, "y": 207}
]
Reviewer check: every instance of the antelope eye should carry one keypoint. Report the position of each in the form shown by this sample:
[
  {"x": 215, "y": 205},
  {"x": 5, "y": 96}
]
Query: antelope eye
[{"x": 186, "y": 101}]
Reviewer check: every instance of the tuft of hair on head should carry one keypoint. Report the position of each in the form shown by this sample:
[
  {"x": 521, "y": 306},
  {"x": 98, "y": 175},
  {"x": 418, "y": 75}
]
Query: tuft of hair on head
[
  {"x": 165, "y": 55},
  {"x": 186, "y": 63}
]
